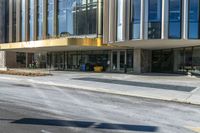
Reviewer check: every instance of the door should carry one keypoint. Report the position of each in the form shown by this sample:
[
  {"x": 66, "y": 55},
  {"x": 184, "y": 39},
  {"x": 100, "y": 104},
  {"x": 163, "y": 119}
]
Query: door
[
  {"x": 118, "y": 60},
  {"x": 162, "y": 61}
]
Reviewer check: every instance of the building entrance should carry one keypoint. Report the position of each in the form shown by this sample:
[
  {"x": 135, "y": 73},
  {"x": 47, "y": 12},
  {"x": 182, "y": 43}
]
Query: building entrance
[
  {"x": 118, "y": 60},
  {"x": 109, "y": 60},
  {"x": 162, "y": 61},
  {"x": 122, "y": 61}
]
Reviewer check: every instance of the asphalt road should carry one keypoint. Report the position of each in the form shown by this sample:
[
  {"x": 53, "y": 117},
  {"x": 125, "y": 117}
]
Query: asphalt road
[{"x": 34, "y": 108}]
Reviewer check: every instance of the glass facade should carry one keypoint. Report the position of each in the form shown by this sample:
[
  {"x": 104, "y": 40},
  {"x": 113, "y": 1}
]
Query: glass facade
[
  {"x": 187, "y": 60},
  {"x": 14, "y": 22},
  {"x": 135, "y": 19},
  {"x": 50, "y": 18},
  {"x": 154, "y": 19},
  {"x": 85, "y": 14},
  {"x": 23, "y": 19},
  {"x": 175, "y": 19},
  {"x": 193, "y": 16},
  {"x": 119, "y": 20},
  {"x": 79, "y": 17},
  {"x": 66, "y": 14},
  {"x": 40, "y": 19},
  {"x": 114, "y": 61},
  {"x": 31, "y": 20}
]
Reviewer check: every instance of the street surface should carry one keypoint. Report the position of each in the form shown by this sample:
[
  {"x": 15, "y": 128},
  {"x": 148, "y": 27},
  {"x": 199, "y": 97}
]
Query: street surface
[{"x": 35, "y": 108}]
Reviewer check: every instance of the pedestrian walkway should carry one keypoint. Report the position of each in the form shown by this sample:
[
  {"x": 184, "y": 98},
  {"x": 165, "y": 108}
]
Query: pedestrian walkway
[{"x": 171, "y": 87}]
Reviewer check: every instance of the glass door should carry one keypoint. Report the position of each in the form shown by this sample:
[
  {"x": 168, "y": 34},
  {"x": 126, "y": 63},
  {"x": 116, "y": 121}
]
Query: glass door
[
  {"x": 122, "y": 60},
  {"x": 118, "y": 60}
]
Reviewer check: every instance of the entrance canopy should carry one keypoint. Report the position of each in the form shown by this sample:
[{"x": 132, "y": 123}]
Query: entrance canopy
[{"x": 58, "y": 44}]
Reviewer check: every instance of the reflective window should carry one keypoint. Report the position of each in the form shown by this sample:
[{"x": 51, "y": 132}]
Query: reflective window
[
  {"x": 40, "y": 18},
  {"x": 23, "y": 14},
  {"x": 85, "y": 14},
  {"x": 196, "y": 59},
  {"x": 31, "y": 20},
  {"x": 62, "y": 16},
  {"x": 77, "y": 17},
  {"x": 135, "y": 19},
  {"x": 119, "y": 20},
  {"x": 193, "y": 19},
  {"x": 50, "y": 18},
  {"x": 154, "y": 22},
  {"x": 175, "y": 19},
  {"x": 92, "y": 16},
  {"x": 65, "y": 16}
]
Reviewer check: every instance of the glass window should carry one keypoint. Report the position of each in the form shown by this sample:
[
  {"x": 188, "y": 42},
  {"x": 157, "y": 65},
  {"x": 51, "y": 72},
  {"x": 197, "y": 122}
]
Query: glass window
[
  {"x": 135, "y": 19},
  {"x": 119, "y": 20},
  {"x": 31, "y": 19},
  {"x": 71, "y": 5},
  {"x": 50, "y": 18},
  {"x": 62, "y": 16},
  {"x": 154, "y": 21},
  {"x": 175, "y": 19},
  {"x": 23, "y": 14},
  {"x": 79, "y": 17},
  {"x": 14, "y": 22},
  {"x": 40, "y": 19},
  {"x": 193, "y": 32},
  {"x": 196, "y": 59},
  {"x": 92, "y": 15}
]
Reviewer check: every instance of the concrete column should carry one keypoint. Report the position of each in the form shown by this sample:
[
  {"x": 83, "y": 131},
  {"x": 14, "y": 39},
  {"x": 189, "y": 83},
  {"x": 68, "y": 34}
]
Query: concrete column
[
  {"x": 185, "y": 20},
  {"x": 118, "y": 60},
  {"x": 53, "y": 61},
  {"x": 100, "y": 18},
  {"x": 128, "y": 18},
  {"x": 105, "y": 21},
  {"x": 137, "y": 60},
  {"x": 27, "y": 19},
  {"x": 55, "y": 17},
  {"x": 3, "y": 60},
  {"x": 35, "y": 19},
  {"x": 18, "y": 20},
  {"x": 27, "y": 60},
  {"x": 112, "y": 21},
  {"x": 165, "y": 8},
  {"x": 177, "y": 60},
  {"x": 10, "y": 21},
  {"x": 44, "y": 34}
]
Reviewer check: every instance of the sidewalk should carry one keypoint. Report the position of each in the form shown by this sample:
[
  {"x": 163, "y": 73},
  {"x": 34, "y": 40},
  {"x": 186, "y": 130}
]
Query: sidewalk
[{"x": 168, "y": 87}]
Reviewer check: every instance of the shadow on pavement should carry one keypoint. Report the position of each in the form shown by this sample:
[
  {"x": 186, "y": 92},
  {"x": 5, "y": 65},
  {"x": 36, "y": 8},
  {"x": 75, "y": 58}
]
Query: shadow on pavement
[
  {"x": 84, "y": 124},
  {"x": 139, "y": 84}
]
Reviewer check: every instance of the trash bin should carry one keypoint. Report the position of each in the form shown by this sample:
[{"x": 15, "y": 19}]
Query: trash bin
[
  {"x": 83, "y": 67},
  {"x": 98, "y": 68}
]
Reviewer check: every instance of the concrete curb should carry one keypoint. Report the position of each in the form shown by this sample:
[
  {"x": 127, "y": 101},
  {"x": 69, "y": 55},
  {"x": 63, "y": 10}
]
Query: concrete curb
[{"x": 116, "y": 92}]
